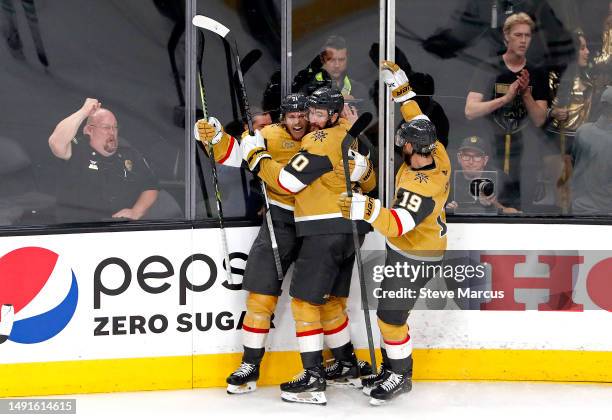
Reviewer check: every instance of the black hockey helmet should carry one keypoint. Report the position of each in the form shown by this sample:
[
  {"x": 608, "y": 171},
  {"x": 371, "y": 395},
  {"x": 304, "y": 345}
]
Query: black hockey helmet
[
  {"x": 294, "y": 102},
  {"x": 421, "y": 133},
  {"x": 327, "y": 98}
]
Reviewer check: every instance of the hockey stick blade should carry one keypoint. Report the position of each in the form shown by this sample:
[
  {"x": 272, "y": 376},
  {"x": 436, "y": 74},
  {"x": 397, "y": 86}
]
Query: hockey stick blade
[
  {"x": 249, "y": 60},
  {"x": 209, "y": 24},
  {"x": 358, "y": 126}
]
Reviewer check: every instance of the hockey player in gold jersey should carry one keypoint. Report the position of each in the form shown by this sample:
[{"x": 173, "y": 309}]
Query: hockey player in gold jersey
[
  {"x": 281, "y": 142},
  {"x": 414, "y": 228},
  {"x": 321, "y": 278},
  {"x": 260, "y": 277}
]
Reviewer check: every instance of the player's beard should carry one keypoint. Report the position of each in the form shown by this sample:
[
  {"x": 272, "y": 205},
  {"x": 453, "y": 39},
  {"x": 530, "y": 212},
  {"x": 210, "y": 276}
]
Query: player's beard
[
  {"x": 407, "y": 157},
  {"x": 316, "y": 126}
]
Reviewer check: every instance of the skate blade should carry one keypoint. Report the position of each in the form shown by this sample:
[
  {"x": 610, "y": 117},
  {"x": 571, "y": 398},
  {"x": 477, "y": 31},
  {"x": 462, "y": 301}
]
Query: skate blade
[
  {"x": 367, "y": 390},
  {"x": 346, "y": 383},
  {"x": 316, "y": 397},
  {"x": 242, "y": 389},
  {"x": 376, "y": 402}
]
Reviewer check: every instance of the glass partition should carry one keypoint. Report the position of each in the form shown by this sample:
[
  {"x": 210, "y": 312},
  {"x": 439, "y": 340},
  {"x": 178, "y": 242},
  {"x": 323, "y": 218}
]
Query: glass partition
[
  {"x": 532, "y": 143},
  {"x": 336, "y": 44},
  {"x": 533, "y": 129},
  {"x": 256, "y": 28},
  {"x": 66, "y": 158}
]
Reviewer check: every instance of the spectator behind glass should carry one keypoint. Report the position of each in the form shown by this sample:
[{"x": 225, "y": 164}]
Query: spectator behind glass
[
  {"x": 571, "y": 108},
  {"x": 335, "y": 60},
  {"x": 239, "y": 129},
  {"x": 592, "y": 154},
  {"x": 507, "y": 90},
  {"x": 101, "y": 179},
  {"x": 473, "y": 159},
  {"x": 260, "y": 119},
  {"x": 477, "y": 21}
]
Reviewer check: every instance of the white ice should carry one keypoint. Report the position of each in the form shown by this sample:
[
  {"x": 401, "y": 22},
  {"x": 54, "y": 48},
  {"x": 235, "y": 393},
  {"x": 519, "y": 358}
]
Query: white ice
[{"x": 428, "y": 400}]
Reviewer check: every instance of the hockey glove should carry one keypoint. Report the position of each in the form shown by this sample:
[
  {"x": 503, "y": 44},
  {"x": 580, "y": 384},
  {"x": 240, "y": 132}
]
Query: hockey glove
[
  {"x": 210, "y": 131},
  {"x": 396, "y": 79},
  {"x": 253, "y": 149},
  {"x": 360, "y": 167},
  {"x": 359, "y": 207}
]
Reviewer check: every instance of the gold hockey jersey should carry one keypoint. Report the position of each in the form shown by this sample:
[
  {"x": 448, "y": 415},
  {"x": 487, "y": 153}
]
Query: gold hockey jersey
[
  {"x": 310, "y": 176},
  {"x": 415, "y": 225},
  {"x": 281, "y": 147}
]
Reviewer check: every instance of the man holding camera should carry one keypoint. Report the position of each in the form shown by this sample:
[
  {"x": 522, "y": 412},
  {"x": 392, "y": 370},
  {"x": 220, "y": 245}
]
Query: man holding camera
[{"x": 473, "y": 157}]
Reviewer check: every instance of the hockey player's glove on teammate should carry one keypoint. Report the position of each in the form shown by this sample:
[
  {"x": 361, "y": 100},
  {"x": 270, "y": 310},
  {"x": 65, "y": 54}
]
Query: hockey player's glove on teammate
[
  {"x": 254, "y": 150},
  {"x": 396, "y": 79},
  {"x": 359, "y": 207},
  {"x": 360, "y": 167},
  {"x": 210, "y": 131}
]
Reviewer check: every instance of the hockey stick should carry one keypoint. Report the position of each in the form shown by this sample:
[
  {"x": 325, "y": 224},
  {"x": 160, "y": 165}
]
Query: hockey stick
[
  {"x": 209, "y": 24},
  {"x": 248, "y": 61},
  {"x": 362, "y": 122},
  {"x": 213, "y": 165}
]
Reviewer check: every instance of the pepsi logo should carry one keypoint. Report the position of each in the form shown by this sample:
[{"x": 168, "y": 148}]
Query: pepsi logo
[{"x": 38, "y": 295}]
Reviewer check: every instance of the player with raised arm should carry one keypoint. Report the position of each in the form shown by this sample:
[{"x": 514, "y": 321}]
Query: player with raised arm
[
  {"x": 260, "y": 279},
  {"x": 321, "y": 280},
  {"x": 414, "y": 228}
]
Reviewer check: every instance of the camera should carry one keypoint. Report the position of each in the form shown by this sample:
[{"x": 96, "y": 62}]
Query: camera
[
  {"x": 470, "y": 188},
  {"x": 482, "y": 188}
]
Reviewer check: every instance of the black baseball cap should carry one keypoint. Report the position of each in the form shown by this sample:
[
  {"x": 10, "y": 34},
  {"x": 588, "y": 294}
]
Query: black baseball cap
[{"x": 475, "y": 143}]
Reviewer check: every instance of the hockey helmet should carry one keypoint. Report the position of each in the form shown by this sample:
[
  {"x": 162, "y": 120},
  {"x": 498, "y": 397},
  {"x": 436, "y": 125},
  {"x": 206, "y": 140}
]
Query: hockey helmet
[
  {"x": 327, "y": 98},
  {"x": 421, "y": 133},
  {"x": 294, "y": 102}
]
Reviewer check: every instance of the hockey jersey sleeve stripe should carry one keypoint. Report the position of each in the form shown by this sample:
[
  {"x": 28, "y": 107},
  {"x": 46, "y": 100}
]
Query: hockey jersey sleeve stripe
[
  {"x": 232, "y": 156},
  {"x": 404, "y": 220},
  {"x": 230, "y": 147},
  {"x": 255, "y": 330},
  {"x": 308, "y": 333},
  {"x": 337, "y": 329},
  {"x": 398, "y": 221},
  {"x": 289, "y": 182}
]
